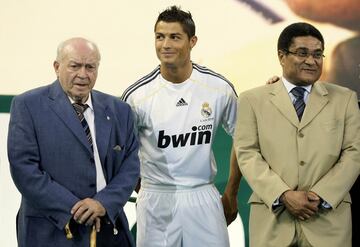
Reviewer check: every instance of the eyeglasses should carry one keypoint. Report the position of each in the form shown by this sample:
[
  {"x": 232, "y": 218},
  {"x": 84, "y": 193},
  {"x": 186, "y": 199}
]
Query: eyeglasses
[{"x": 302, "y": 53}]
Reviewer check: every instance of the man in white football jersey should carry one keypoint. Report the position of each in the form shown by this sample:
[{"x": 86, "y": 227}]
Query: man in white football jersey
[{"x": 178, "y": 108}]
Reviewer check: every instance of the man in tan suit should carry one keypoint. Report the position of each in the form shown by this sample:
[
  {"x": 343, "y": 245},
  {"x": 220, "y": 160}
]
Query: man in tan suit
[{"x": 298, "y": 146}]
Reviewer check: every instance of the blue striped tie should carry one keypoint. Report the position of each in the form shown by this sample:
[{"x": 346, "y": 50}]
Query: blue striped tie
[
  {"x": 80, "y": 109},
  {"x": 299, "y": 103}
]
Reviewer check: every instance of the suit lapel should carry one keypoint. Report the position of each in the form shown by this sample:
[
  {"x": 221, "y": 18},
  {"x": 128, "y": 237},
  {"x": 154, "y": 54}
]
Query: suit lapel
[
  {"x": 282, "y": 102},
  {"x": 60, "y": 104},
  {"x": 316, "y": 102},
  {"x": 103, "y": 125}
]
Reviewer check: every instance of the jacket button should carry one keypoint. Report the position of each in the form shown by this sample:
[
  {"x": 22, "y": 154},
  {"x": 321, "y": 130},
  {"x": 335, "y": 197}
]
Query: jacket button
[
  {"x": 301, "y": 135},
  {"x": 302, "y": 163}
]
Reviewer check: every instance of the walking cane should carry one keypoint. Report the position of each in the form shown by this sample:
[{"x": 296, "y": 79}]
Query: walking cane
[{"x": 93, "y": 237}]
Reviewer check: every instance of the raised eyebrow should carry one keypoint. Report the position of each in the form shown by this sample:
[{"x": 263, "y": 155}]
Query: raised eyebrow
[
  {"x": 307, "y": 49},
  {"x": 176, "y": 34},
  {"x": 170, "y": 34},
  {"x": 302, "y": 49},
  {"x": 81, "y": 64},
  {"x": 74, "y": 62}
]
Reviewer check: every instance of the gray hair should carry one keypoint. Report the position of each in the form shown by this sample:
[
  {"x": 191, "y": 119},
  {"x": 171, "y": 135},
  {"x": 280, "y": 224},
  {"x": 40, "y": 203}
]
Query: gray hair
[{"x": 63, "y": 45}]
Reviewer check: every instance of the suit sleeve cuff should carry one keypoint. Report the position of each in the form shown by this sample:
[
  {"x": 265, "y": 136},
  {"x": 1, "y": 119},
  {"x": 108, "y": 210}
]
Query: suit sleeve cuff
[
  {"x": 277, "y": 205},
  {"x": 324, "y": 204}
]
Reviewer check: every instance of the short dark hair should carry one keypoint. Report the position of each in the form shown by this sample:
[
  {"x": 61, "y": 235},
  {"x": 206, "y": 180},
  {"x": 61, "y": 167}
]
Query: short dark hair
[
  {"x": 298, "y": 29},
  {"x": 175, "y": 14}
]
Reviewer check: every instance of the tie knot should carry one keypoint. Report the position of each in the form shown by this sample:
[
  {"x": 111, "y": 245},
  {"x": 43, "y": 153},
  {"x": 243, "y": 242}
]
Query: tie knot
[
  {"x": 298, "y": 92},
  {"x": 79, "y": 107}
]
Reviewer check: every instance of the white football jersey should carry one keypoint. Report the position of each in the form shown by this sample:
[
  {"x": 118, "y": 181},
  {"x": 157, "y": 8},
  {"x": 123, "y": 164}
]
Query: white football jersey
[{"x": 176, "y": 125}]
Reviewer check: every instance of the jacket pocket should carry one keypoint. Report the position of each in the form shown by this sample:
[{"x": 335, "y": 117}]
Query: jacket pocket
[{"x": 40, "y": 232}]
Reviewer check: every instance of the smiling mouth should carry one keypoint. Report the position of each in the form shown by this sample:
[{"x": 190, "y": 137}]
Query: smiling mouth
[
  {"x": 167, "y": 53},
  {"x": 310, "y": 70}
]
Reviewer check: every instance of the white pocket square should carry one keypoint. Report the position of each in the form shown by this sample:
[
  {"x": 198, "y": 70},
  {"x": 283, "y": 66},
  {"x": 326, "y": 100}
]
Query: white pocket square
[{"x": 117, "y": 148}]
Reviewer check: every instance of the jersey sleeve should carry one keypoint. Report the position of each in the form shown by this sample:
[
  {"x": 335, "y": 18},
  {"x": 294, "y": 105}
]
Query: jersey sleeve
[{"x": 229, "y": 116}]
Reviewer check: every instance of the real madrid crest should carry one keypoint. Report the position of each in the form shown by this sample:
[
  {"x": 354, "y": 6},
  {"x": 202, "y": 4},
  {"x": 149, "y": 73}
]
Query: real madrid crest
[{"x": 206, "y": 110}]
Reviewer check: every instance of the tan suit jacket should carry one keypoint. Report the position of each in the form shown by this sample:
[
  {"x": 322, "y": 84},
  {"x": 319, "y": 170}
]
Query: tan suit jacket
[{"x": 321, "y": 153}]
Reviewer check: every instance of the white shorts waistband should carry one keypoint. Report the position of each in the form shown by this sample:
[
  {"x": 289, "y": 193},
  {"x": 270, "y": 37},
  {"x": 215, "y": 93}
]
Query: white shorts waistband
[{"x": 174, "y": 188}]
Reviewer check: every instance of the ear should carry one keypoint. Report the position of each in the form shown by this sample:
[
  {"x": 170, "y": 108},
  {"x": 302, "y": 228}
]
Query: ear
[
  {"x": 56, "y": 66},
  {"x": 281, "y": 57},
  {"x": 193, "y": 41}
]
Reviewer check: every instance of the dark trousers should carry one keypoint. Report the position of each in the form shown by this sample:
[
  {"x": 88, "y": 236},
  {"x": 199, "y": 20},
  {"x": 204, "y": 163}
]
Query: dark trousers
[
  {"x": 355, "y": 207},
  {"x": 107, "y": 238}
]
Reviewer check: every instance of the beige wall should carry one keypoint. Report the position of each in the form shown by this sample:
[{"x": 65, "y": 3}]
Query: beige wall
[{"x": 229, "y": 32}]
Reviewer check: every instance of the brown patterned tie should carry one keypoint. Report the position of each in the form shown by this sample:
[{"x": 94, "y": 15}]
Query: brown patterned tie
[{"x": 80, "y": 109}]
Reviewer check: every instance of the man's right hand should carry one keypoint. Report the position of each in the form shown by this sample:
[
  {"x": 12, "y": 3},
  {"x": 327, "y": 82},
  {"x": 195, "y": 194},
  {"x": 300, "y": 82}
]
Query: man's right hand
[
  {"x": 298, "y": 204},
  {"x": 273, "y": 79}
]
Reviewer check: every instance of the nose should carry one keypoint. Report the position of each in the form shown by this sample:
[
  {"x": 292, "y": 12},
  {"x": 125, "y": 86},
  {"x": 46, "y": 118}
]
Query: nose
[
  {"x": 310, "y": 59},
  {"x": 166, "y": 43},
  {"x": 82, "y": 73}
]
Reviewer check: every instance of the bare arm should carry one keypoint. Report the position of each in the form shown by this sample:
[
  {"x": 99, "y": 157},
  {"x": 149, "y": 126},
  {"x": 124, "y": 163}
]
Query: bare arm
[{"x": 229, "y": 198}]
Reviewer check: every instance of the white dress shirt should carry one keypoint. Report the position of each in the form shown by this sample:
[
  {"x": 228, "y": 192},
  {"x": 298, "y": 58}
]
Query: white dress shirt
[
  {"x": 90, "y": 119},
  {"x": 289, "y": 86}
]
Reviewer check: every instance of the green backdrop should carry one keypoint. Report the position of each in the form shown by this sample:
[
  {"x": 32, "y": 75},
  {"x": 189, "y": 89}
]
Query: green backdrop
[{"x": 5, "y": 101}]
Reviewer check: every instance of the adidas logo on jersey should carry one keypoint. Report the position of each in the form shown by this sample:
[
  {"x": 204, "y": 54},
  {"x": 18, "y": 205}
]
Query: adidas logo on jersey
[
  {"x": 200, "y": 135},
  {"x": 181, "y": 102}
]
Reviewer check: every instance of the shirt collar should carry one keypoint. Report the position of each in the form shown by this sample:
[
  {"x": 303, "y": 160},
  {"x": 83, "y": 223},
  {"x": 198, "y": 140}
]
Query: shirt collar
[
  {"x": 289, "y": 86},
  {"x": 88, "y": 102}
]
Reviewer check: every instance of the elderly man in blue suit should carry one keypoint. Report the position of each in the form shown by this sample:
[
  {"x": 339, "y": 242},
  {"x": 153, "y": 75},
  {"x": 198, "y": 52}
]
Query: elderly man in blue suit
[{"x": 73, "y": 157}]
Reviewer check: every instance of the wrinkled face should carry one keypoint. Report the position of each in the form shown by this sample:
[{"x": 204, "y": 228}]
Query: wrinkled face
[
  {"x": 172, "y": 44},
  {"x": 302, "y": 65},
  {"x": 77, "y": 70}
]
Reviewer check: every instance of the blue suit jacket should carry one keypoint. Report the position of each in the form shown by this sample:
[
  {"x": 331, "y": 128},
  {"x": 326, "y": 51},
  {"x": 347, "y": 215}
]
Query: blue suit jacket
[{"x": 53, "y": 167}]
